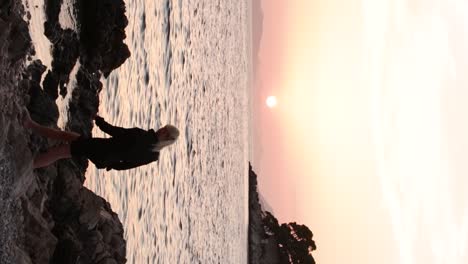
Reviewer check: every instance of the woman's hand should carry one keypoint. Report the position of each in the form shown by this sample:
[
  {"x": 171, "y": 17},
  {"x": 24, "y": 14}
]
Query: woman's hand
[{"x": 99, "y": 120}]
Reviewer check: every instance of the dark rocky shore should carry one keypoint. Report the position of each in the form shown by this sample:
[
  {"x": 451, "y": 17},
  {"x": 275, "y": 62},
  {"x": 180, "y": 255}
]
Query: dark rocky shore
[
  {"x": 271, "y": 242},
  {"x": 47, "y": 216},
  {"x": 261, "y": 249}
]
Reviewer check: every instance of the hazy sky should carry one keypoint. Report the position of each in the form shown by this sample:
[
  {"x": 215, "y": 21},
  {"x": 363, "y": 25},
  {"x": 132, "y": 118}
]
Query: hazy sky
[{"x": 368, "y": 143}]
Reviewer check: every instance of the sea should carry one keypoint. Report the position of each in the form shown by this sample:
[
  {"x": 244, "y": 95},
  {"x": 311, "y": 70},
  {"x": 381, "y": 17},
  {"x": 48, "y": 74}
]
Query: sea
[{"x": 190, "y": 66}]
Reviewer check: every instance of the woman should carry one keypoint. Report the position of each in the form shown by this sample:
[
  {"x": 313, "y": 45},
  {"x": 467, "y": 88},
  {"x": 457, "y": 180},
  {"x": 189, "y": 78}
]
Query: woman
[{"x": 127, "y": 148}]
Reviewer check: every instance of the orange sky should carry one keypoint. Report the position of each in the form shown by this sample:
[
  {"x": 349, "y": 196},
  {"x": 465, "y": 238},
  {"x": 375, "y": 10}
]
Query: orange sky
[{"x": 368, "y": 114}]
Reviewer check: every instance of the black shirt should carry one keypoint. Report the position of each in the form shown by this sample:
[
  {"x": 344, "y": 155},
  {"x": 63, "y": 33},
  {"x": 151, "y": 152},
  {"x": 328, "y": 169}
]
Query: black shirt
[{"x": 127, "y": 148}]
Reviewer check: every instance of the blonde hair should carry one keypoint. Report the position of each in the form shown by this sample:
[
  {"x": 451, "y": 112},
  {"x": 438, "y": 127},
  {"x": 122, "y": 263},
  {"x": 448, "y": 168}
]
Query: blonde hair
[{"x": 173, "y": 135}]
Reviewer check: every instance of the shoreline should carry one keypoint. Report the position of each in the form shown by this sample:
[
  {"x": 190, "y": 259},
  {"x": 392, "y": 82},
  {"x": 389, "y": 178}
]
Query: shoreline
[
  {"x": 48, "y": 216},
  {"x": 248, "y": 121}
]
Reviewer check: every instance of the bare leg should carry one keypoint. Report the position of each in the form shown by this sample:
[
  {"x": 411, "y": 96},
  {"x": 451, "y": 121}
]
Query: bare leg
[
  {"x": 52, "y": 155},
  {"x": 49, "y": 132}
]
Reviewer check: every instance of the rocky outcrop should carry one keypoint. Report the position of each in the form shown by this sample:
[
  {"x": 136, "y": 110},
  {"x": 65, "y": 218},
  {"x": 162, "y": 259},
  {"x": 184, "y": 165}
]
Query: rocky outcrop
[
  {"x": 98, "y": 45},
  {"x": 47, "y": 214},
  {"x": 15, "y": 157},
  {"x": 272, "y": 243},
  {"x": 256, "y": 230},
  {"x": 263, "y": 248},
  {"x": 263, "y": 245},
  {"x": 14, "y": 37},
  {"x": 86, "y": 227},
  {"x": 102, "y": 34},
  {"x": 63, "y": 221}
]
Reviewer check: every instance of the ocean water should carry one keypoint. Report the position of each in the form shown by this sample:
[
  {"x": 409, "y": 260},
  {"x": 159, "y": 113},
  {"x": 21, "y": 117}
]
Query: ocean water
[{"x": 190, "y": 67}]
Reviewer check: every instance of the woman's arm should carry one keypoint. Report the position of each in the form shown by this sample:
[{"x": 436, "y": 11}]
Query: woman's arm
[{"x": 108, "y": 128}]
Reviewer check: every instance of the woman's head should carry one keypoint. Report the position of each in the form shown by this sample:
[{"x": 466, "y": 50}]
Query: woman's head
[{"x": 166, "y": 135}]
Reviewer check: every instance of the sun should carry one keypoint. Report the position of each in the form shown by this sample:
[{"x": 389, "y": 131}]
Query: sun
[{"x": 271, "y": 101}]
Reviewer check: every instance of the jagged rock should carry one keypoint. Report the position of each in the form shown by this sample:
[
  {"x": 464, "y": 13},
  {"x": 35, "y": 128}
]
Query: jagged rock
[
  {"x": 42, "y": 107},
  {"x": 62, "y": 222},
  {"x": 85, "y": 103},
  {"x": 39, "y": 240},
  {"x": 91, "y": 215},
  {"x": 69, "y": 182},
  {"x": 34, "y": 72},
  {"x": 69, "y": 246},
  {"x": 270, "y": 254},
  {"x": 270, "y": 242},
  {"x": 107, "y": 261},
  {"x": 4, "y": 132},
  {"x": 21, "y": 256},
  {"x": 22, "y": 171},
  {"x": 102, "y": 34},
  {"x": 79, "y": 217},
  {"x": 50, "y": 85},
  {"x": 14, "y": 46},
  {"x": 65, "y": 53},
  {"x": 15, "y": 41},
  {"x": 79, "y": 226},
  {"x": 106, "y": 231},
  {"x": 65, "y": 50},
  {"x": 102, "y": 255},
  {"x": 256, "y": 230}
]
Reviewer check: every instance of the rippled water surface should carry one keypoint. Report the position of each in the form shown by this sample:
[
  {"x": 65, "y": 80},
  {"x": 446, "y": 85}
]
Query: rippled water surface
[{"x": 189, "y": 67}]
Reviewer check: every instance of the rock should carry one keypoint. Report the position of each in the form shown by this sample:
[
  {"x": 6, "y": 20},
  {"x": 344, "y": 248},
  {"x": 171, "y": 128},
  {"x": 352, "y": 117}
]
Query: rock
[
  {"x": 21, "y": 257},
  {"x": 106, "y": 231},
  {"x": 14, "y": 177},
  {"x": 42, "y": 107},
  {"x": 65, "y": 53},
  {"x": 101, "y": 256},
  {"x": 85, "y": 103},
  {"x": 77, "y": 213},
  {"x": 107, "y": 261},
  {"x": 60, "y": 220},
  {"x": 270, "y": 242},
  {"x": 102, "y": 34},
  {"x": 34, "y": 71},
  {"x": 23, "y": 157},
  {"x": 14, "y": 32},
  {"x": 90, "y": 216},
  {"x": 69, "y": 246},
  {"x": 40, "y": 242},
  {"x": 4, "y": 132},
  {"x": 69, "y": 184},
  {"x": 51, "y": 85}
]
